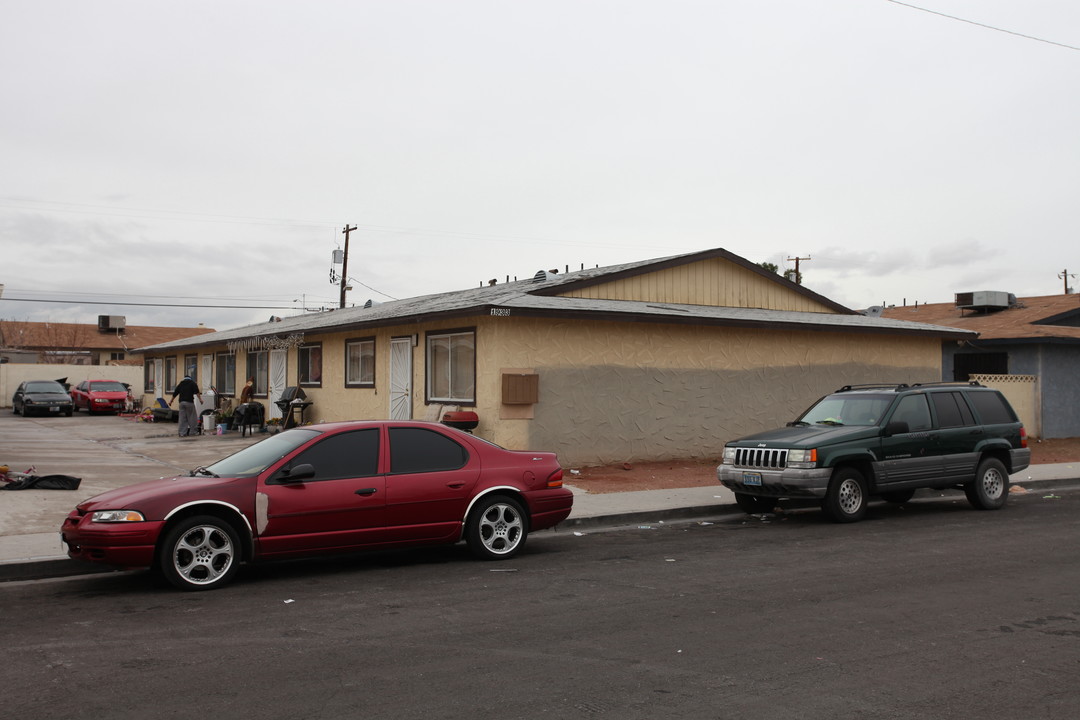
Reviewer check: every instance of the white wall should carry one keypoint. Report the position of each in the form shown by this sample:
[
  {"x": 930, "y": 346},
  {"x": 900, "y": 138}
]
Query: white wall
[{"x": 11, "y": 374}]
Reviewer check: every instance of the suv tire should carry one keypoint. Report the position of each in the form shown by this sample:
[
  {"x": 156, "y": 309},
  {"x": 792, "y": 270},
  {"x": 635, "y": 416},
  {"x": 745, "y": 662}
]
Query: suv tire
[
  {"x": 845, "y": 500},
  {"x": 990, "y": 487}
]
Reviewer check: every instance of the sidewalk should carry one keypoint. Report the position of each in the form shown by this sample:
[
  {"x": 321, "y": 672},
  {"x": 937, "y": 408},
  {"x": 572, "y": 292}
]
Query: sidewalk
[{"x": 30, "y": 544}]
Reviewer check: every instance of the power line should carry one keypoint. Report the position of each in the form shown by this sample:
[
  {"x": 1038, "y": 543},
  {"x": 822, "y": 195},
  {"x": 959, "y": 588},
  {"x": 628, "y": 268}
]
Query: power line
[
  {"x": 173, "y": 305},
  {"x": 984, "y": 25}
]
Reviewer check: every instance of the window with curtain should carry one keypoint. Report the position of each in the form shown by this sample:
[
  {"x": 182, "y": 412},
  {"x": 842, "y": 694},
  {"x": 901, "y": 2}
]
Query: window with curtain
[{"x": 451, "y": 367}]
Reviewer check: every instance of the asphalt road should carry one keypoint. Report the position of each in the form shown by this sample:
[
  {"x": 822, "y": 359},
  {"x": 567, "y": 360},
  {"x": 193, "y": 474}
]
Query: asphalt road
[{"x": 933, "y": 610}]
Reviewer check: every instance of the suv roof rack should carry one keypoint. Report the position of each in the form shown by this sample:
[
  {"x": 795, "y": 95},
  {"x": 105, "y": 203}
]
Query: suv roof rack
[
  {"x": 956, "y": 383},
  {"x": 874, "y": 386}
]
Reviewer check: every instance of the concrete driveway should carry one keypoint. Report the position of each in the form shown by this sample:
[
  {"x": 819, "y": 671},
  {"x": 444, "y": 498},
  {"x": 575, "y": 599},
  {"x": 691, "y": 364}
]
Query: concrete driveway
[{"x": 106, "y": 451}]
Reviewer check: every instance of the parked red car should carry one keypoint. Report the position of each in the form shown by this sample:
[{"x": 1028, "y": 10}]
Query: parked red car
[
  {"x": 336, "y": 487},
  {"x": 99, "y": 396}
]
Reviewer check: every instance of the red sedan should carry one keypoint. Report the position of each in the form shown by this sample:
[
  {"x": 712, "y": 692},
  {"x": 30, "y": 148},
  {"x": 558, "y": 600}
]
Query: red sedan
[
  {"x": 337, "y": 487},
  {"x": 99, "y": 396}
]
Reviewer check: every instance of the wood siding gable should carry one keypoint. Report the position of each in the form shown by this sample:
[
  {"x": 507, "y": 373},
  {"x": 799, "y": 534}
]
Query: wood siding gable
[{"x": 714, "y": 281}]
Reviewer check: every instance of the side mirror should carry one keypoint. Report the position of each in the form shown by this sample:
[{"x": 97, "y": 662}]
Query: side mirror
[
  {"x": 896, "y": 427},
  {"x": 305, "y": 471}
]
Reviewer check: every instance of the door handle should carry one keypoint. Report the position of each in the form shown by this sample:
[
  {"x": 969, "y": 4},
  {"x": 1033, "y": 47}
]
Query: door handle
[
  {"x": 366, "y": 491},
  {"x": 455, "y": 485}
]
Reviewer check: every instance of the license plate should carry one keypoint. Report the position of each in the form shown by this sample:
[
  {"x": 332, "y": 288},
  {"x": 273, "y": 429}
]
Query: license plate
[
  {"x": 751, "y": 478},
  {"x": 54, "y": 408}
]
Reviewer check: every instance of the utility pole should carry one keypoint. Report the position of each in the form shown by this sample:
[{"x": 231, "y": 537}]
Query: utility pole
[
  {"x": 1064, "y": 275},
  {"x": 345, "y": 263},
  {"x": 798, "y": 273}
]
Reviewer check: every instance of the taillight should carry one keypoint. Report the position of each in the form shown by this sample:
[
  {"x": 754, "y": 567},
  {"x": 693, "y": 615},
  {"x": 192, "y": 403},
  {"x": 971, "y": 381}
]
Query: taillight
[
  {"x": 555, "y": 479},
  {"x": 1023, "y": 437}
]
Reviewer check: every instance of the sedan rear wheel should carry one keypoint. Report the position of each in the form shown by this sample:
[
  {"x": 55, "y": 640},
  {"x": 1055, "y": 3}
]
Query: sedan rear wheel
[
  {"x": 200, "y": 553},
  {"x": 496, "y": 529},
  {"x": 990, "y": 487}
]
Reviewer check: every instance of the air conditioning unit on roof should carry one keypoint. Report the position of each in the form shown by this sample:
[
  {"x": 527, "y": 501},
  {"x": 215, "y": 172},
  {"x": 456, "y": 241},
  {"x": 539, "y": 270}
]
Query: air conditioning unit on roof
[
  {"x": 111, "y": 323},
  {"x": 984, "y": 300}
]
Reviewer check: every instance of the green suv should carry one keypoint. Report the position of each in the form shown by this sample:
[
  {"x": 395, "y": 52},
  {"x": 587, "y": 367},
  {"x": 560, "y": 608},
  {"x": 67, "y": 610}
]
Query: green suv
[{"x": 885, "y": 440}]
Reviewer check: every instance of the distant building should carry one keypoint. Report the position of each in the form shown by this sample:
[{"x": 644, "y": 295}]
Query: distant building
[
  {"x": 1028, "y": 346},
  {"x": 110, "y": 342}
]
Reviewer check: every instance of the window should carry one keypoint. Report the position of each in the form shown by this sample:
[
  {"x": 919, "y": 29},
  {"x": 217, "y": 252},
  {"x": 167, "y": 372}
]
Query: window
[
  {"x": 345, "y": 455},
  {"x": 309, "y": 358},
  {"x": 451, "y": 367},
  {"x": 415, "y": 450},
  {"x": 226, "y": 374},
  {"x": 951, "y": 410},
  {"x": 991, "y": 407},
  {"x": 191, "y": 366},
  {"x": 913, "y": 410},
  {"x": 149, "y": 381},
  {"x": 257, "y": 368},
  {"x": 360, "y": 362},
  {"x": 170, "y": 374},
  {"x": 116, "y": 356}
]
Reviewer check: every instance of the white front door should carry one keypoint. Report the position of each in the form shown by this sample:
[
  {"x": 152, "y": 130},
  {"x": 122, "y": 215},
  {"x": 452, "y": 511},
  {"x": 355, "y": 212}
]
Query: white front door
[
  {"x": 277, "y": 372},
  {"x": 207, "y": 379},
  {"x": 401, "y": 378},
  {"x": 159, "y": 378}
]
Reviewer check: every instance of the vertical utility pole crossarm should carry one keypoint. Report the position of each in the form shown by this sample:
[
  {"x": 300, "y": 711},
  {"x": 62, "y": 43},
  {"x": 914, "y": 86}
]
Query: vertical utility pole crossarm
[
  {"x": 345, "y": 263},
  {"x": 1064, "y": 275},
  {"x": 798, "y": 273}
]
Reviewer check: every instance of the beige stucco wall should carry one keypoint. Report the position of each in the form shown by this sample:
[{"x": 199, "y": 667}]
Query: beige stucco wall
[{"x": 613, "y": 392}]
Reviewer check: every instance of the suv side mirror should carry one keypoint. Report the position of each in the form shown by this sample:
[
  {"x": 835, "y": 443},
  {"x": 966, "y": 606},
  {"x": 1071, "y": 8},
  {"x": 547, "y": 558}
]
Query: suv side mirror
[{"x": 896, "y": 427}]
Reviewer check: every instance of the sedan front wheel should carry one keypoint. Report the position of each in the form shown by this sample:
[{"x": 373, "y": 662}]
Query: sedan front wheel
[
  {"x": 497, "y": 528},
  {"x": 200, "y": 553}
]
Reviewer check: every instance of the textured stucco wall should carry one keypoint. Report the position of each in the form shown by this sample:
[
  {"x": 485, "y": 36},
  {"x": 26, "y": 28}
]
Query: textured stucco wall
[{"x": 631, "y": 391}]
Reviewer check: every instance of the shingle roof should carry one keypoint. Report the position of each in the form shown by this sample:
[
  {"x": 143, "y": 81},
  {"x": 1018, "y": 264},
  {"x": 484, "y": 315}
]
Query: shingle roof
[
  {"x": 535, "y": 298},
  {"x": 1027, "y": 320}
]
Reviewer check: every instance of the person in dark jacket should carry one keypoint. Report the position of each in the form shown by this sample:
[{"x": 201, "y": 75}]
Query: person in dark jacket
[{"x": 187, "y": 390}]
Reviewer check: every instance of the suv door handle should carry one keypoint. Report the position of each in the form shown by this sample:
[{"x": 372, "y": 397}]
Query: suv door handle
[{"x": 366, "y": 491}]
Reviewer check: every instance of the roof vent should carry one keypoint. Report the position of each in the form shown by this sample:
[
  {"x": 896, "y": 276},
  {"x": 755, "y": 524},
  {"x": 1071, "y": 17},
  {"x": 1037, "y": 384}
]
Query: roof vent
[
  {"x": 984, "y": 300},
  {"x": 371, "y": 303},
  {"x": 541, "y": 276},
  {"x": 873, "y": 311}
]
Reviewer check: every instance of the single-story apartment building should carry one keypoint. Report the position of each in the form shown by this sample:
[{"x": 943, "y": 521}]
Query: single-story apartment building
[
  {"x": 110, "y": 342},
  {"x": 657, "y": 359}
]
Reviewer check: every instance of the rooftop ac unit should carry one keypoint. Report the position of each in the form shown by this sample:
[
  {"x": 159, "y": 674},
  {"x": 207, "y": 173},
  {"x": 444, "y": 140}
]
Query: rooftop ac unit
[
  {"x": 111, "y": 323},
  {"x": 983, "y": 300}
]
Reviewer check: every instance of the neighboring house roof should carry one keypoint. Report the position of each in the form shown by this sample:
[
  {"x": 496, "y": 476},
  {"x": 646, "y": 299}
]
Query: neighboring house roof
[
  {"x": 76, "y": 336},
  {"x": 1048, "y": 319},
  {"x": 542, "y": 296}
]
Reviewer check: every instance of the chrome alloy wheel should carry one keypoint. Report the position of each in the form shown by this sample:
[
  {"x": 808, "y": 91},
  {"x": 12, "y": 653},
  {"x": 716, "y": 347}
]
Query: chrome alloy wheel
[
  {"x": 993, "y": 483},
  {"x": 501, "y": 528},
  {"x": 203, "y": 555}
]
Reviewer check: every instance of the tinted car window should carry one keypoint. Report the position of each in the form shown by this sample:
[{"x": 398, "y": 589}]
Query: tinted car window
[
  {"x": 418, "y": 450},
  {"x": 45, "y": 386},
  {"x": 991, "y": 408},
  {"x": 951, "y": 410},
  {"x": 345, "y": 455},
  {"x": 913, "y": 410}
]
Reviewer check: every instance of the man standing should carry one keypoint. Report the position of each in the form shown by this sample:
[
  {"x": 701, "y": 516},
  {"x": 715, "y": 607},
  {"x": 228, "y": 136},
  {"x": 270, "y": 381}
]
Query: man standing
[{"x": 187, "y": 390}]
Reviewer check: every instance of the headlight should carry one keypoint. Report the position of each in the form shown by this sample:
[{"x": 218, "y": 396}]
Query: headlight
[
  {"x": 802, "y": 458},
  {"x": 115, "y": 516},
  {"x": 729, "y": 456}
]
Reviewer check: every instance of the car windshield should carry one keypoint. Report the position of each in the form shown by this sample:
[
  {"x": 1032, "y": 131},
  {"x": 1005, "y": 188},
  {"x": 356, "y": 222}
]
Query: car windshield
[
  {"x": 45, "y": 386},
  {"x": 847, "y": 409},
  {"x": 107, "y": 386},
  {"x": 253, "y": 459}
]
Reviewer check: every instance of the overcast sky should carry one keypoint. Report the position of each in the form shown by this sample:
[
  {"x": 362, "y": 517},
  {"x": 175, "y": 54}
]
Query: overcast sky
[{"x": 210, "y": 153}]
